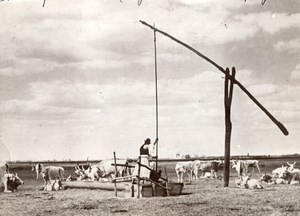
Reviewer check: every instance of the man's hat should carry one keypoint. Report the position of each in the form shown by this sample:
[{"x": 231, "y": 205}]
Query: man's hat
[{"x": 148, "y": 141}]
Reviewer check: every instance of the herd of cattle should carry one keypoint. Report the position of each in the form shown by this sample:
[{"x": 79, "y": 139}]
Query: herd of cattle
[
  {"x": 53, "y": 175},
  {"x": 286, "y": 174}
]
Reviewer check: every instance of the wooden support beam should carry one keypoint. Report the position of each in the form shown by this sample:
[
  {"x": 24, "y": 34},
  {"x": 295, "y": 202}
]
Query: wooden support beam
[
  {"x": 116, "y": 172},
  {"x": 138, "y": 178},
  {"x": 228, "y": 94}
]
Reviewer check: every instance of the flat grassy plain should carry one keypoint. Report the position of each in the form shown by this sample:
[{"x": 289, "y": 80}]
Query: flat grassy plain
[{"x": 202, "y": 197}]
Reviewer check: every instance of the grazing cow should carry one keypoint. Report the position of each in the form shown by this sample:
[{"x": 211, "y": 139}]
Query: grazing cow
[
  {"x": 3, "y": 175},
  {"x": 184, "y": 167},
  {"x": 107, "y": 168},
  {"x": 52, "y": 173},
  {"x": 210, "y": 166}
]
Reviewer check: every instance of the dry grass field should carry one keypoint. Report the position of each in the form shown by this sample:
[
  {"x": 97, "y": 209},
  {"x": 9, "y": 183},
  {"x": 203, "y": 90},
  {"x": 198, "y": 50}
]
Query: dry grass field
[{"x": 202, "y": 197}]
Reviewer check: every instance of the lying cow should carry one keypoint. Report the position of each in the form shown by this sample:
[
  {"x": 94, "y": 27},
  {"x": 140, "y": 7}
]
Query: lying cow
[
  {"x": 13, "y": 182},
  {"x": 246, "y": 182},
  {"x": 107, "y": 168},
  {"x": 9, "y": 181},
  {"x": 184, "y": 167},
  {"x": 292, "y": 176},
  {"x": 272, "y": 180},
  {"x": 91, "y": 173}
]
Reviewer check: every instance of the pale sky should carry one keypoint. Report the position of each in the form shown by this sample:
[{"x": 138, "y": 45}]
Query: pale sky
[{"x": 77, "y": 77}]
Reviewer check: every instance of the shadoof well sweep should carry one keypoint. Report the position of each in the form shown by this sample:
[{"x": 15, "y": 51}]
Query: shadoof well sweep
[
  {"x": 137, "y": 187},
  {"x": 230, "y": 80}
]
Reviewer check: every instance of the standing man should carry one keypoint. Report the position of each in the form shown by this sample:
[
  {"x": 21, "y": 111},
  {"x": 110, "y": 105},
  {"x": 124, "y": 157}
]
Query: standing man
[{"x": 144, "y": 153}]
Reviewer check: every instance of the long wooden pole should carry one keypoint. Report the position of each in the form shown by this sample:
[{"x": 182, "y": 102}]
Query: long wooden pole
[
  {"x": 156, "y": 97},
  {"x": 279, "y": 124},
  {"x": 116, "y": 171},
  {"x": 228, "y": 94},
  {"x": 138, "y": 179}
]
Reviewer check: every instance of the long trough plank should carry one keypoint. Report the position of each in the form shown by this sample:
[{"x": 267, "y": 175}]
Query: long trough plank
[{"x": 94, "y": 185}]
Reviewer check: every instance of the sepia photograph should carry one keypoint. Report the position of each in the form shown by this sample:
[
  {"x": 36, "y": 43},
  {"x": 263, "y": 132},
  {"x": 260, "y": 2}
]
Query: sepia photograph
[{"x": 139, "y": 107}]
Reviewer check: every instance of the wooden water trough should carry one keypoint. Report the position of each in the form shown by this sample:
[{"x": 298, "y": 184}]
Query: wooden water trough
[{"x": 96, "y": 185}]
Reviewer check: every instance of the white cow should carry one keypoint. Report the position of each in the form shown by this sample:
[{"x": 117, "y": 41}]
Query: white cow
[
  {"x": 210, "y": 166},
  {"x": 184, "y": 167},
  {"x": 92, "y": 173},
  {"x": 207, "y": 168},
  {"x": 107, "y": 168},
  {"x": 279, "y": 171},
  {"x": 246, "y": 182},
  {"x": 52, "y": 173}
]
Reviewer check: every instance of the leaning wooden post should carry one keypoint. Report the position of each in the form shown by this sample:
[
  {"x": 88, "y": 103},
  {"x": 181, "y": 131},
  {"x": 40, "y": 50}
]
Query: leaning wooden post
[
  {"x": 138, "y": 178},
  {"x": 116, "y": 171},
  {"x": 228, "y": 125},
  {"x": 167, "y": 185}
]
